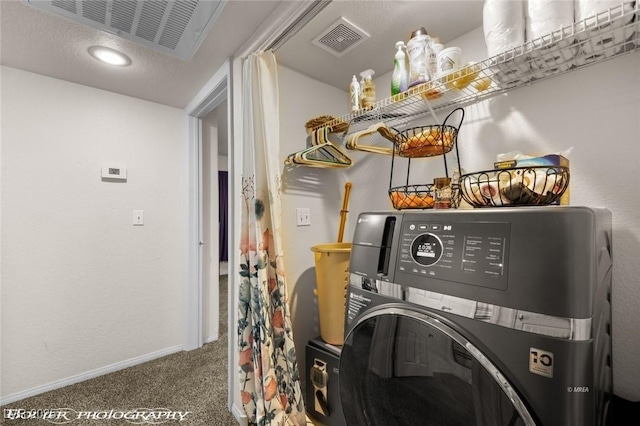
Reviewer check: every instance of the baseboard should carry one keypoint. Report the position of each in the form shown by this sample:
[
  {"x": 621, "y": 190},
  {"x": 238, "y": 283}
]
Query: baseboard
[
  {"x": 88, "y": 375},
  {"x": 213, "y": 338},
  {"x": 224, "y": 268},
  {"x": 240, "y": 415}
]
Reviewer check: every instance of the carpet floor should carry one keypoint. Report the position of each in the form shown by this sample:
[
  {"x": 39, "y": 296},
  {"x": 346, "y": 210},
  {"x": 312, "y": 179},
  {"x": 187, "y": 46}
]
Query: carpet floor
[{"x": 193, "y": 382}]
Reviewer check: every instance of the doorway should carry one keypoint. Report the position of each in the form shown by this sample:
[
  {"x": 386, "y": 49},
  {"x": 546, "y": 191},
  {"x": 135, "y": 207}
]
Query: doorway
[
  {"x": 211, "y": 97},
  {"x": 215, "y": 227}
]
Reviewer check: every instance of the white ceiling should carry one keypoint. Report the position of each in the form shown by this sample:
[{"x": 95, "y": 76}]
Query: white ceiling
[{"x": 43, "y": 43}]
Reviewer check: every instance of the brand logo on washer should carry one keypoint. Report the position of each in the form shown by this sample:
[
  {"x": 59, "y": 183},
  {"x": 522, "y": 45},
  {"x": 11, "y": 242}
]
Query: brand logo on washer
[{"x": 541, "y": 362}]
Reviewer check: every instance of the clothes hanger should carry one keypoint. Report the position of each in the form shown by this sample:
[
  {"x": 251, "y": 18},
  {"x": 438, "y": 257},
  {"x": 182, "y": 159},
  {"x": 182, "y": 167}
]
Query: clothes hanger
[
  {"x": 319, "y": 156},
  {"x": 326, "y": 150},
  {"x": 324, "y": 141},
  {"x": 382, "y": 129},
  {"x": 322, "y": 153}
]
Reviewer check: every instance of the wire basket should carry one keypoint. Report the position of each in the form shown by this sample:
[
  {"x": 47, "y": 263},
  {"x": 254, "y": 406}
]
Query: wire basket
[
  {"x": 425, "y": 141},
  {"x": 412, "y": 197},
  {"x": 432, "y": 140},
  {"x": 517, "y": 186},
  {"x": 419, "y": 197},
  {"x": 456, "y": 195}
]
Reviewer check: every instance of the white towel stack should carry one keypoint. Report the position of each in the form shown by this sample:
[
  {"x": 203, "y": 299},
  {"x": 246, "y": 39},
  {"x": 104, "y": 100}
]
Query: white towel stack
[
  {"x": 543, "y": 18},
  {"x": 546, "y": 16},
  {"x": 587, "y": 8},
  {"x": 503, "y": 22},
  {"x": 604, "y": 38}
]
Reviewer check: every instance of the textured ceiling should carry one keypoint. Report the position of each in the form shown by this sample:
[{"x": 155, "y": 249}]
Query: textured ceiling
[
  {"x": 43, "y": 43},
  {"x": 174, "y": 27}
]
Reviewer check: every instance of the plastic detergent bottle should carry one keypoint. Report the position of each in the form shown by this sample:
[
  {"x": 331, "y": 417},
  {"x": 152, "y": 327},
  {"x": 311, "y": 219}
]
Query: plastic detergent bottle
[
  {"x": 354, "y": 95},
  {"x": 418, "y": 49},
  {"x": 368, "y": 90},
  {"x": 399, "y": 79}
]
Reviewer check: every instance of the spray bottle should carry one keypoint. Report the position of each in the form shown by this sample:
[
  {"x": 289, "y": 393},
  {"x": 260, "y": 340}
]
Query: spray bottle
[
  {"x": 369, "y": 89},
  {"x": 400, "y": 77}
]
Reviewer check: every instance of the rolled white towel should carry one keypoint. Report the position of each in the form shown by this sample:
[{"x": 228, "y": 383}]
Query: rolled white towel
[
  {"x": 545, "y": 16},
  {"x": 606, "y": 39},
  {"x": 590, "y": 8},
  {"x": 503, "y": 23},
  {"x": 595, "y": 16}
]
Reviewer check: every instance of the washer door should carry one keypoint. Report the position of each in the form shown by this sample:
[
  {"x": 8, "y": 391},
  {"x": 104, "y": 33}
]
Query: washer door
[{"x": 401, "y": 367}]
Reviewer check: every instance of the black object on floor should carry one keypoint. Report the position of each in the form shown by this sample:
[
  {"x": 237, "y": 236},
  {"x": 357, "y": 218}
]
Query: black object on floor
[{"x": 623, "y": 412}]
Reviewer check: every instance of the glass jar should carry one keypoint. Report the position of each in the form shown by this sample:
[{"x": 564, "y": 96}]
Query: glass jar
[{"x": 442, "y": 196}]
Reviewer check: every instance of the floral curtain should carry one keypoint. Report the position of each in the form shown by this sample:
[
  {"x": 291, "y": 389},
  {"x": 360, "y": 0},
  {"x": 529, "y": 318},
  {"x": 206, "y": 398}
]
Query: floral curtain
[{"x": 269, "y": 379}]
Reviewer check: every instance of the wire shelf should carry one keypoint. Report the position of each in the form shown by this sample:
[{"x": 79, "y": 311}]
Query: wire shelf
[{"x": 590, "y": 41}]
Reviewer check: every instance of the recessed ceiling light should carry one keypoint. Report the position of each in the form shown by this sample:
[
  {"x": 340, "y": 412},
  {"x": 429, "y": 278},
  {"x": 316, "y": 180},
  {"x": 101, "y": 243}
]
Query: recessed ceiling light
[{"x": 109, "y": 56}]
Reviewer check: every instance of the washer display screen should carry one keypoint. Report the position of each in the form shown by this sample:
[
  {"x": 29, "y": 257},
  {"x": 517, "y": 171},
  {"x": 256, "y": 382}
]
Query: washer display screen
[{"x": 426, "y": 249}]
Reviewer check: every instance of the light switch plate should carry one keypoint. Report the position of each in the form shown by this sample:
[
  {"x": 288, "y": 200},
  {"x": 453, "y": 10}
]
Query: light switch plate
[
  {"x": 303, "y": 217},
  {"x": 138, "y": 217}
]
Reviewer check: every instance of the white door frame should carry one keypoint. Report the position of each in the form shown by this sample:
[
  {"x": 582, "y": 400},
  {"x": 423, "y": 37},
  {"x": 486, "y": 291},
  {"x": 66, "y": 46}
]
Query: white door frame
[{"x": 215, "y": 92}]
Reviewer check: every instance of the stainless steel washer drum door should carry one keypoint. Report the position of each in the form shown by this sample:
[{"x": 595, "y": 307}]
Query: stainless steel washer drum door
[{"x": 403, "y": 367}]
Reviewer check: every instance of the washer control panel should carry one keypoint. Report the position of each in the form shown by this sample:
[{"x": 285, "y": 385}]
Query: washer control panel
[{"x": 474, "y": 253}]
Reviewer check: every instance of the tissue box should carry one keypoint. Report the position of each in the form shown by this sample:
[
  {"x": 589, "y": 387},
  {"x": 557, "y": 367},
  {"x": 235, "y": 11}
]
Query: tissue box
[{"x": 547, "y": 160}]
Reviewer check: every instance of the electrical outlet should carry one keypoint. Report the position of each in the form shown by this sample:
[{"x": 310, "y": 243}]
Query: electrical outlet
[{"x": 303, "y": 217}]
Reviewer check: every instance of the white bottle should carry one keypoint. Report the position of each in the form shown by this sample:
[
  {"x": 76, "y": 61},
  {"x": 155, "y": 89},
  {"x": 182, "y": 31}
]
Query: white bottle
[
  {"x": 400, "y": 77},
  {"x": 419, "y": 49},
  {"x": 354, "y": 94}
]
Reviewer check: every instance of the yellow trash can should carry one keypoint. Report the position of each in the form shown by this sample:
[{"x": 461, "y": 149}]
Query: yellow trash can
[{"x": 332, "y": 278}]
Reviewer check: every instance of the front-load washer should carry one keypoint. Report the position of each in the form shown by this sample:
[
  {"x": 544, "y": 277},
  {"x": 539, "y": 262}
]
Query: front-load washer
[{"x": 483, "y": 317}]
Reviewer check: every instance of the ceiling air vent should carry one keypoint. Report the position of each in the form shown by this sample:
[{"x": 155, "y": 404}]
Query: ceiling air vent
[
  {"x": 340, "y": 37},
  {"x": 177, "y": 27}
]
